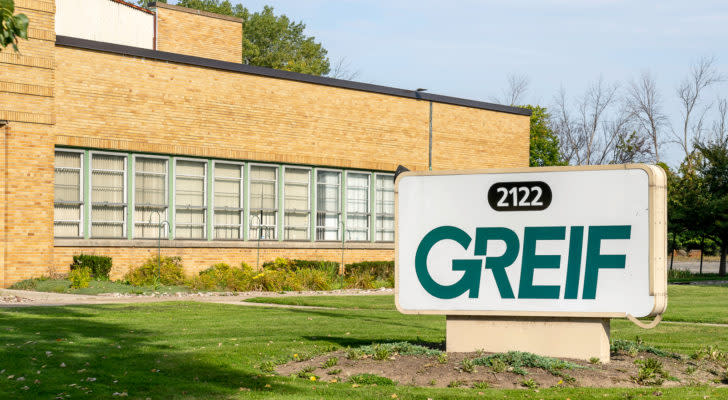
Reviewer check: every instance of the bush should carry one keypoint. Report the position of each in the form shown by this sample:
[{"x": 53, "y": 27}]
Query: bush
[
  {"x": 157, "y": 271},
  {"x": 99, "y": 265},
  {"x": 379, "y": 270},
  {"x": 223, "y": 277},
  {"x": 80, "y": 277},
  {"x": 284, "y": 264}
]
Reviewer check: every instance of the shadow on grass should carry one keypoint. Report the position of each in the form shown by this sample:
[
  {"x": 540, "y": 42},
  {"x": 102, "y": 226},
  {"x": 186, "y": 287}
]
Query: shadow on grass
[{"x": 72, "y": 352}]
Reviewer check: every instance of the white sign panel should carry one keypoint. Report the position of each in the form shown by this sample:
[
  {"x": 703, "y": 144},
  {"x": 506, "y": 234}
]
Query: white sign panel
[{"x": 540, "y": 241}]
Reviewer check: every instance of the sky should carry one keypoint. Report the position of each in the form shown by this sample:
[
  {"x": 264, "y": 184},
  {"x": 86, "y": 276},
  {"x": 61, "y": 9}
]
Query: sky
[{"x": 468, "y": 48}]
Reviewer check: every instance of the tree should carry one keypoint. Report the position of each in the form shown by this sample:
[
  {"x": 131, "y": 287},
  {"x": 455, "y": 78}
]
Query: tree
[
  {"x": 544, "y": 143},
  {"x": 702, "y": 75},
  {"x": 645, "y": 105},
  {"x": 12, "y": 26},
  {"x": 270, "y": 40},
  {"x": 714, "y": 172},
  {"x": 513, "y": 94}
]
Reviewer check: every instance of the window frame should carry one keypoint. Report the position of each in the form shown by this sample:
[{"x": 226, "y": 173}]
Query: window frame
[
  {"x": 276, "y": 211},
  {"x": 368, "y": 214},
  {"x": 81, "y": 188},
  {"x": 166, "y": 214},
  {"x": 241, "y": 199},
  {"x": 205, "y": 206},
  {"x": 376, "y": 214},
  {"x": 125, "y": 194},
  {"x": 310, "y": 205},
  {"x": 339, "y": 227}
]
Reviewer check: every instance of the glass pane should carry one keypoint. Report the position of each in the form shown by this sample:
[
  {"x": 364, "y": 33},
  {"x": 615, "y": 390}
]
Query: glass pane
[
  {"x": 107, "y": 187},
  {"x": 68, "y": 159},
  {"x": 151, "y": 165},
  {"x": 108, "y": 162},
  {"x": 385, "y": 228},
  {"x": 189, "y": 232},
  {"x": 146, "y": 222},
  {"x": 190, "y": 224},
  {"x": 228, "y": 171},
  {"x": 222, "y": 232},
  {"x": 296, "y": 189},
  {"x": 150, "y": 189},
  {"x": 328, "y": 191},
  {"x": 67, "y": 212},
  {"x": 66, "y": 229},
  {"x": 227, "y": 193},
  {"x": 266, "y": 230},
  {"x": 258, "y": 172},
  {"x": 263, "y": 195},
  {"x": 194, "y": 168},
  {"x": 296, "y": 226},
  {"x": 67, "y": 185},
  {"x": 190, "y": 191},
  {"x": 227, "y": 217}
]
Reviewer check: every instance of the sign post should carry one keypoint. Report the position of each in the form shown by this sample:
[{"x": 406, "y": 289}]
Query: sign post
[{"x": 532, "y": 259}]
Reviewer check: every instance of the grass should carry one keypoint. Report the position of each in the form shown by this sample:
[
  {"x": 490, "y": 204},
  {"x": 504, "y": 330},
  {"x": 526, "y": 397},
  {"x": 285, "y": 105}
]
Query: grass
[
  {"x": 376, "y": 302},
  {"x": 185, "y": 350},
  {"x": 94, "y": 287}
]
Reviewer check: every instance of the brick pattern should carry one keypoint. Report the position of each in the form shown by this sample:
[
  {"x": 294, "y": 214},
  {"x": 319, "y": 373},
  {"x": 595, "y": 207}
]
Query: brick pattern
[
  {"x": 198, "y": 35},
  {"x": 26, "y": 145},
  {"x": 196, "y": 259}
]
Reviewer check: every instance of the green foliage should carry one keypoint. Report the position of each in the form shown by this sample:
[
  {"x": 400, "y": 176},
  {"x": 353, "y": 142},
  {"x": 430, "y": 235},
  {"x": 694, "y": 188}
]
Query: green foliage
[
  {"x": 270, "y": 40},
  {"x": 80, "y": 277},
  {"x": 371, "y": 379},
  {"x": 711, "y": 353},
  {"x": 12, "y": 26},
  {"x": 100, "y": 266},
  {"x": 497, "y": 365},
  {"x": 330, "y": 362},
  {"x": 223, "y": 277},
  {"x": 529, "y": 383},
  {"x": 456, "y": 383},
  {"x": 481, "y": 385},
  {"x": 336, "y": 371},
  {"x": 467, "y": 365},
  {"x": 634, "y": 347},
  {"x": 267, "y": 367},
  {"x": 544, "y": 142},
  {"x": 650, "y": 372},
  {"x": 442, "y": 358},
  {"x": 157, "y": 271},
  {"x": 378, "y": 269},
  {"x": 519, "y": 360},
  {"x": 355, "y": 354},
  {"x": 402, "y": 348},
  {"x": 595, "y": 360}
]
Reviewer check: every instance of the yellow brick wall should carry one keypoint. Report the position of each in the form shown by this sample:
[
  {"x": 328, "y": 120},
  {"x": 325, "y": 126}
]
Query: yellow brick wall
[
  {"x": 26, "y": 148},
  {"x": 196, "y": 259},
  {"x": 186, "y": 31}
]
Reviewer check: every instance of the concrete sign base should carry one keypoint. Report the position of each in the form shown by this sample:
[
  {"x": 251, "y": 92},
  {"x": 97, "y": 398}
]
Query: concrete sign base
[{"x": 578, "y": 338}]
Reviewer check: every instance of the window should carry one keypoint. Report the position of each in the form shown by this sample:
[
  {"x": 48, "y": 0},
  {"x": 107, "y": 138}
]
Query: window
[
  {"x": 385, "y": 208},
  {"x": 150, "y": 197},
  {"x": 357, "y": 206},
  {"x": 328, "y": 205},
  {"x": 68, "y": 201},
  {"x": 263, "y": 202},
  {"x": 297, "y": 206},
  {"x": 108, "y": 195},
  {"x": 228, "y": 185},
  {"x": 189, "y": 200}
]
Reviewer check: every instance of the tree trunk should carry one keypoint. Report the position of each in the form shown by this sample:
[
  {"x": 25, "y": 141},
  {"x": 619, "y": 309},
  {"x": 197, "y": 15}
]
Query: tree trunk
[
  {"x": 723, "y": 248},
  {"x": 702, "y": 246}
]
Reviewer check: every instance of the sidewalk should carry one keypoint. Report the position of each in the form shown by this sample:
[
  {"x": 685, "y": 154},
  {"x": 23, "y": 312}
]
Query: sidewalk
[{"x": 25, "y": 298}]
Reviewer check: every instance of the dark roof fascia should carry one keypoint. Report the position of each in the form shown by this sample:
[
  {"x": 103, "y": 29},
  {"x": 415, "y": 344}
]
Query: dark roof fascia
[
  {"x": 142, "y": 9},
  {"x": 85, "y": 44}
]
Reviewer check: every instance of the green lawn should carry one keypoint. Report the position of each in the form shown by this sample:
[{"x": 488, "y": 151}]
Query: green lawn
[
  {"x": 94, "y": 287},
  {"x": 196, "y": 350},
  {"x": 378, "y": 302}
]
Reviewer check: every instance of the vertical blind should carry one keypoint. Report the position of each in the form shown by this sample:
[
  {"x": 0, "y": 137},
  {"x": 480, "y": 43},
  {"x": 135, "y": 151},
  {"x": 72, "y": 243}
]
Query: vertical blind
[
  {"x": 263, "y": 202},
  {"x": 385, "y": 208},
  {"x": 297, "y": 205},
  {"x": 150, "y": 197},
  {"x": 328, "y": 205},
  {"x": 357, "y": 206},
  {"x": 68, "y": 200},
  {"x": 189, "y": 199},
  {"x": 108, "y": 195},
  {"x": 228, "y": 201}
]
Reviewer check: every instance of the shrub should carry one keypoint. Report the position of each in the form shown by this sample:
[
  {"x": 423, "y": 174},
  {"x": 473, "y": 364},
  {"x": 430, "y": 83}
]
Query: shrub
[
  {"x": 80, "y": 277},
  {"x": 383, "y": 270},
  {"x": 650, "y": 372},
  {"x": 157, "y": 271},
  {"x": 223, "y": 277},
  {"x": 360, "y": 280},
  {"x": 99, "y": 265},
  {"x": 371, "y": 379}
]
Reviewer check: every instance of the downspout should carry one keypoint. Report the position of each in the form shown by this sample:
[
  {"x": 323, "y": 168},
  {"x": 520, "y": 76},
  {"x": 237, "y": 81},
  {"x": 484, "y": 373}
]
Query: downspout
[
  {"x": 430, "y": 158},
  {"x": 6, "y": 134}
]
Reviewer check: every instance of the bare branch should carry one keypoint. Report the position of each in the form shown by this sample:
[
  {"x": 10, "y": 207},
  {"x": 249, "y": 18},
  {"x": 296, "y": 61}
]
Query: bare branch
[
  {"x": 645, "y": 104},
  {"x": 513, "y": 93},
  {"x": 342, "y": 70},
  {"x": 720, "y": 125}
]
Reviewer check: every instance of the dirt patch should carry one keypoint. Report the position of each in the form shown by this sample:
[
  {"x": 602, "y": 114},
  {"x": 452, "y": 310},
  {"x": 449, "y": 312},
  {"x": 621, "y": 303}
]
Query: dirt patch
[{"x": 624, "y": 371}]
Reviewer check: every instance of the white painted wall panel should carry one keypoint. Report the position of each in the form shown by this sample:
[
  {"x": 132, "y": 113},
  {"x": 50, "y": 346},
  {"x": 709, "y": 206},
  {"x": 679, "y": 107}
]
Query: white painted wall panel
[{"x": 105, "y": 21}]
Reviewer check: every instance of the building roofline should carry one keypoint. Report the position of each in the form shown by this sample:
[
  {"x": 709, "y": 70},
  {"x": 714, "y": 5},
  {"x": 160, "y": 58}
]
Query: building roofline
[
  {"x": 196, "y": 12},
  {"x": 134, "y": 6},
  {"x": 85, "y": 44}
]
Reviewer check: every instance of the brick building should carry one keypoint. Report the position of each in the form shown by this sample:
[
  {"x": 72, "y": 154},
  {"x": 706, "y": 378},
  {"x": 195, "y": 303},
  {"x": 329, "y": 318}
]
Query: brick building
[{"x": 138, "y": 116}]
